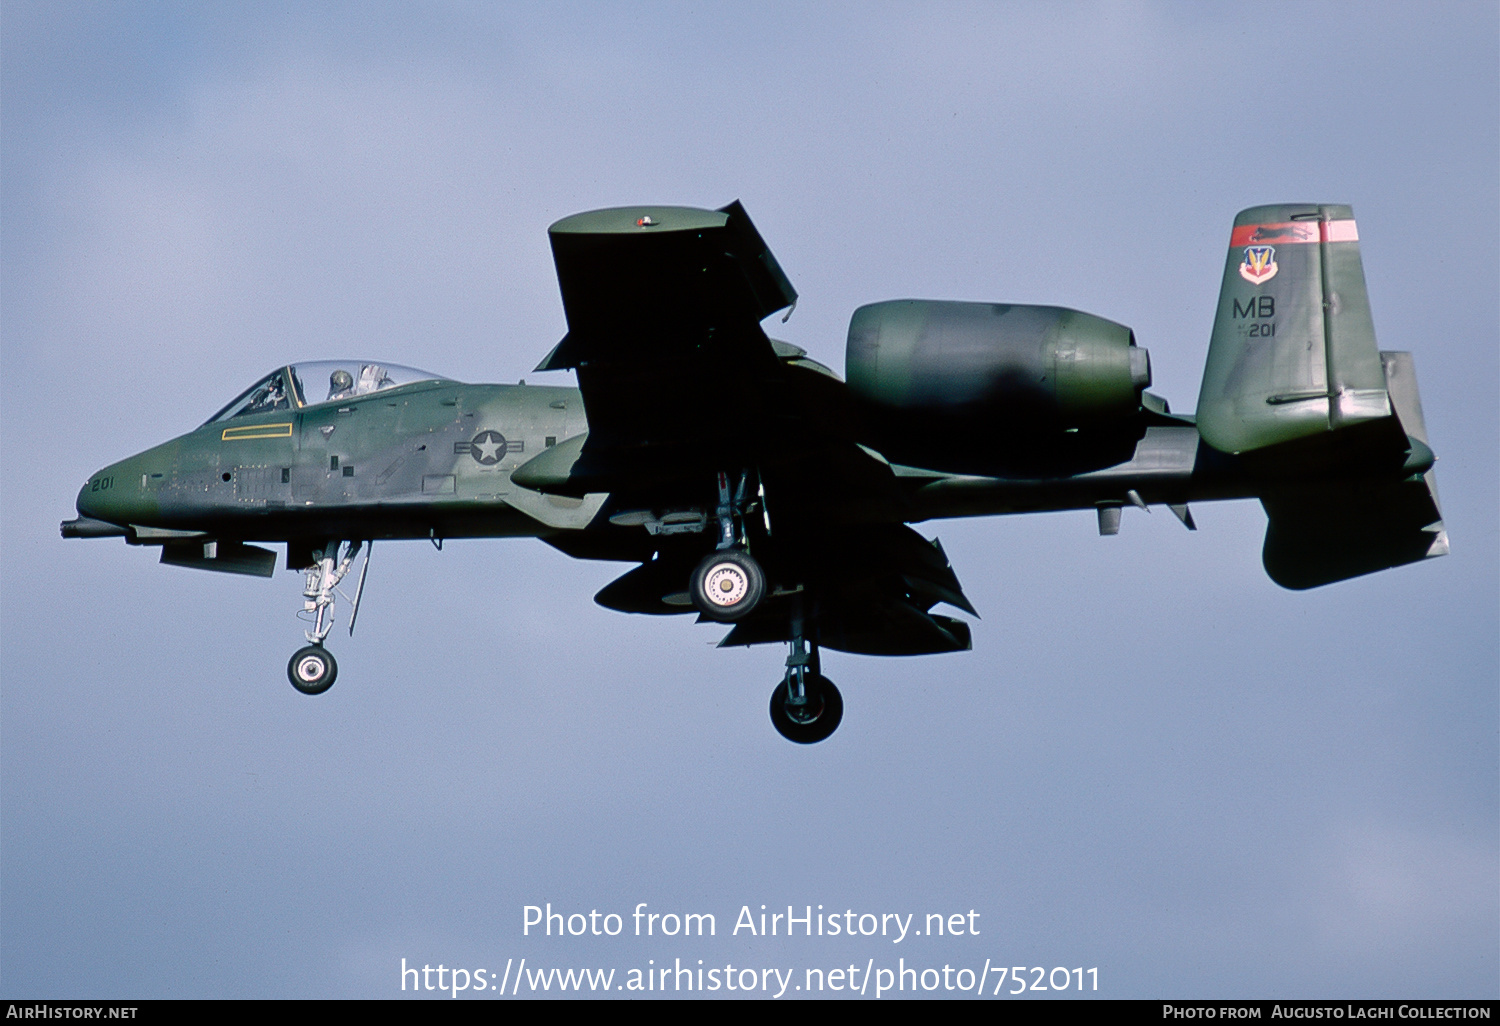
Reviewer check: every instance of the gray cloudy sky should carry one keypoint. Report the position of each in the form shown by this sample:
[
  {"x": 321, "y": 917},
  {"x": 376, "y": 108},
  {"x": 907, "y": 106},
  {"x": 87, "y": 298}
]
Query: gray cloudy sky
[{"x": 1154, "y": 761}]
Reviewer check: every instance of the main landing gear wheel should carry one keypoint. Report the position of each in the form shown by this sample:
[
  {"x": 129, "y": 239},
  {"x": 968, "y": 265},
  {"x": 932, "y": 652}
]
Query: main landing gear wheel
[
  {"x": 312, "y": 670},
  {"x": 815, "y": 719},
  {"x": 727, "y": 585}
]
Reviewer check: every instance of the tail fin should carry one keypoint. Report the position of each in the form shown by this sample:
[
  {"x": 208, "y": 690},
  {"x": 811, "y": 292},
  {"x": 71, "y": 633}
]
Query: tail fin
[
  {"x": 1294, "y": 380},
  {"x": 1293, "y": 351}
]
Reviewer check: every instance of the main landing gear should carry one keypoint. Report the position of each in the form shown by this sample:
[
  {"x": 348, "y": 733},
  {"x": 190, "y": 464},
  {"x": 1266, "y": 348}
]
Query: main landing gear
[
  {"x": 728, "y": 584},
  {"x": 312, "y": 670},
  {"x": 805, "y": 707}
]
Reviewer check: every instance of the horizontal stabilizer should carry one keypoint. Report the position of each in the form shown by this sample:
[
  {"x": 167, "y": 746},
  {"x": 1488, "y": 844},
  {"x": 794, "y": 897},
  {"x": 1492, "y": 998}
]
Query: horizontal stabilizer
[
  {"x": 1315, "y": 539},
  {"x": 1344, "y": 528}
]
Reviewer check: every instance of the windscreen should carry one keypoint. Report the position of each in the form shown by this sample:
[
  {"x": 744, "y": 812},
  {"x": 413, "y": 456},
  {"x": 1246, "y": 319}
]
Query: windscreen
[
  {"x": 319, "y": 382},
  {"x": 268, "y": 394}
]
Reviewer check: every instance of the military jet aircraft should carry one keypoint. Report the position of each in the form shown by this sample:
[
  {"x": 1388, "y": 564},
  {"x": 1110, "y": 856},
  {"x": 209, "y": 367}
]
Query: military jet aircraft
[{"x": 753, "y": 486}]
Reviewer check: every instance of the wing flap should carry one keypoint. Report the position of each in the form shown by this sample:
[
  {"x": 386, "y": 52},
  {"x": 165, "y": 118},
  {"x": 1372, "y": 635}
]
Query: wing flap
[{"x": 891, "y": 628}]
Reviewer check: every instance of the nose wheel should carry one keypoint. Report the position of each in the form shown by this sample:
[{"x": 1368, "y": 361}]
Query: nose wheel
[{"x": 312, "y": 670}]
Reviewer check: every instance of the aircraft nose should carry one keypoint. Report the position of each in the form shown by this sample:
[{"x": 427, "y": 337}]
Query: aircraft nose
[{"x": 114, "y": 494}]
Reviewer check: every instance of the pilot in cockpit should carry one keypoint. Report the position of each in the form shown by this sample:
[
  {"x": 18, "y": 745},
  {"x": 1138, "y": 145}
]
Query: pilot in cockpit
[
  {"x": 271, "y": 395},
  {"x": 340, "y": 384}
]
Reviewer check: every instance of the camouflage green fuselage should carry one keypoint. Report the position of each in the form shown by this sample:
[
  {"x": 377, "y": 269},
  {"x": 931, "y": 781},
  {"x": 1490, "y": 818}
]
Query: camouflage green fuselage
[
  {"x": 434, "y": 460},
  {"x": 397, "y": 464}
]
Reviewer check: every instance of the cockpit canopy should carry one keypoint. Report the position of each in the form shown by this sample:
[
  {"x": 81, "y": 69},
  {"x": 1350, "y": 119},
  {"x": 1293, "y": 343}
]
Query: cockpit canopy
[{"x": 322, "y": 381}]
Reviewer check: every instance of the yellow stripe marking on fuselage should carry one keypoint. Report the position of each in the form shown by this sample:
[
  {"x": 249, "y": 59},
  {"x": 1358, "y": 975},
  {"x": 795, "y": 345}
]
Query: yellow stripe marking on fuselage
[{"x": 236, "y": 434}]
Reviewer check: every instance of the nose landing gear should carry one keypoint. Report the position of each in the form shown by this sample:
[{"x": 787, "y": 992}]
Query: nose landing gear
[{"x": 312, "y": 670}]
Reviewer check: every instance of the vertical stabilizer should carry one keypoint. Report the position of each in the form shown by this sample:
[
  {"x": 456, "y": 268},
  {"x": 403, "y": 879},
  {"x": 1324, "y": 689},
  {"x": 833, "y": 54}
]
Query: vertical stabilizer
[{"x": 1293, "y": 352}]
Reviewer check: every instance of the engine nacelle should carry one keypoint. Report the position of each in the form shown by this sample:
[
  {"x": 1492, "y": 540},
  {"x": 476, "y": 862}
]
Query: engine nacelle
[
  {"x": 990, "y": 388},
  {"x": 992, "y": 362}
]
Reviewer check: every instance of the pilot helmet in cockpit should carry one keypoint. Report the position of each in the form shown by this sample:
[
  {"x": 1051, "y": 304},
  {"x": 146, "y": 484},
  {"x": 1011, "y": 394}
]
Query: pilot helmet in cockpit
[{"x": 340, "y": 384}]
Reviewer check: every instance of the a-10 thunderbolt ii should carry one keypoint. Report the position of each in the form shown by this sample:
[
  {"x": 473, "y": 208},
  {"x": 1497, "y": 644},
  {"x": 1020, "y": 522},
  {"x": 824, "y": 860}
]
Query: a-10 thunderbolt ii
[{"x": 749, "y": 484}]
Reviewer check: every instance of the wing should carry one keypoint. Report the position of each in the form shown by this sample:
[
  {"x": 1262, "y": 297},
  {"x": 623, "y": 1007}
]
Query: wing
[
  {"x": 664, "y": 307},
  {"x": 679, "y": 383}
]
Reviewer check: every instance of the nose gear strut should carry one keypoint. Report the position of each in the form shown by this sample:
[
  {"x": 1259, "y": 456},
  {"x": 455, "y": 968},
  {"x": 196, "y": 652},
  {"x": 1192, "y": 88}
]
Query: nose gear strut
[{"x": 312, "y": 669}]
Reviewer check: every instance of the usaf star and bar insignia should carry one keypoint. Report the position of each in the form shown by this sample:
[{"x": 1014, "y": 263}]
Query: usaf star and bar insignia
[{"x": 488, "y": 448}]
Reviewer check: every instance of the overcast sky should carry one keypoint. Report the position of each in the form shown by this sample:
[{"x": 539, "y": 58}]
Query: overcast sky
[{"x": 1154, "y": 761}]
